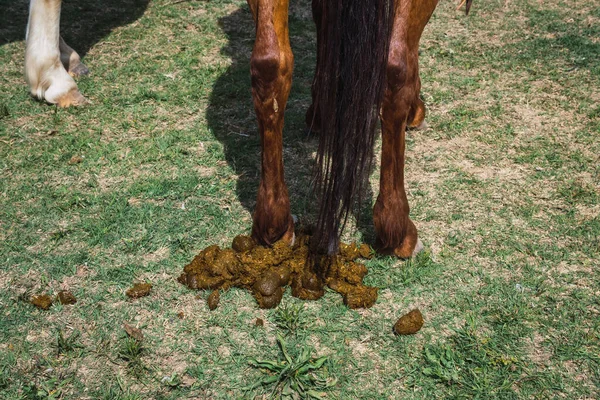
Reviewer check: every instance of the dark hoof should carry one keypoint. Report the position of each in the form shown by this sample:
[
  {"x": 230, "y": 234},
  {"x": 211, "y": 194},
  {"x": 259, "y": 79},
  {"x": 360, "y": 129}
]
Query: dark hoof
[{"x": 79, "y": 70}]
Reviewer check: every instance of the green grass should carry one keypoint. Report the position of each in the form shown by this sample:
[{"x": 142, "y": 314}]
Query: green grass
[
  {"x": 503, "y": 186},
  {"x": 289, "y": 377}
]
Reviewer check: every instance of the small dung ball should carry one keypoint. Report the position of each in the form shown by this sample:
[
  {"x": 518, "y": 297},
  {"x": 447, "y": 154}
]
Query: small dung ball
[
  {"x": 66, "y": 298},
  {"x": 410, "y": 323},
  {"x": 242, "y": 243},
  {"x": 213, "y": 300},
  {"x": 139, "y": 290}
]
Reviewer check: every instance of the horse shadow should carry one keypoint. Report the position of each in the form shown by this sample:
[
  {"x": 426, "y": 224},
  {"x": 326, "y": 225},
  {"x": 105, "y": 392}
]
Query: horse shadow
[
  {"x": 83, "y": 23},
  {"x": 230, "y": 112},
  {"x": 231, "y": 118}
]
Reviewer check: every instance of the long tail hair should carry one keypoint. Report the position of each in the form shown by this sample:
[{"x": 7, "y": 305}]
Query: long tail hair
[{"x": 349, "y": 85}]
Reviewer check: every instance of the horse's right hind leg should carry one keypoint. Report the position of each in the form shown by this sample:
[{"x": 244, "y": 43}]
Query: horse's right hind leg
[
  {"x": 313, "y": 120},
  {"x": 401, "y": 107},
  {"x": 47, "y": 77}
]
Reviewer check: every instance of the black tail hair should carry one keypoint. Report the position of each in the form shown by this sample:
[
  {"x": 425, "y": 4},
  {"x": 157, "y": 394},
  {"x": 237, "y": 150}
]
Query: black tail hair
[{"x": 349, "y": 85}]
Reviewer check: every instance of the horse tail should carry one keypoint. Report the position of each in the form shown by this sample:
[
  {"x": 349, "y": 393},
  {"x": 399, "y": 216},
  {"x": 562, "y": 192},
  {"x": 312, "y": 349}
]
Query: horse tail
[
  {"x": 349, "y": 84},
  {"x": 467, "y": 4}
]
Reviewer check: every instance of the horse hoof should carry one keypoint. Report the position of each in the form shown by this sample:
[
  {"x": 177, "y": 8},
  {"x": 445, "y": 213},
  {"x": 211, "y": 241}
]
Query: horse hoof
[
  {"x": 79, "y": 70},
  {"x": 408, "y": 249},
  {"x": 418, "y": 248},
  {"x": 72, "y": 98},
  {"x": 421, "y": 127}
]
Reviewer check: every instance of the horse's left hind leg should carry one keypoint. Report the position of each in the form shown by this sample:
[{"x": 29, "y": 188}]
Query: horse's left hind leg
[{"x": 271, "y": 70}]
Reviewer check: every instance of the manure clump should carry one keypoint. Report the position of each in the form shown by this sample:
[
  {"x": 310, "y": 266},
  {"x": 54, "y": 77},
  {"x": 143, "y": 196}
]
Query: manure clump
[
  {"x": 66, "y": 298},
  {"x": 41, "y": 301},
  {"x": 267, "y": 271},
  {"x": 410, "y": 323},
  {"x": 139, "y": 290}
]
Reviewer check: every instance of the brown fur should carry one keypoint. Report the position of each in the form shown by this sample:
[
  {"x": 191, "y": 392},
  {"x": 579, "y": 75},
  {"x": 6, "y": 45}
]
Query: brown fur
[
  {"x": 396, "y": 233},
  {"x": 417, "y": 115},
  {"x": 271, "y": 68}
]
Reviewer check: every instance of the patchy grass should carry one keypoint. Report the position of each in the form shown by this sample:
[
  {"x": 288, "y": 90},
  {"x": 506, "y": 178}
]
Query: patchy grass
[{"x": 504, "y": 187}]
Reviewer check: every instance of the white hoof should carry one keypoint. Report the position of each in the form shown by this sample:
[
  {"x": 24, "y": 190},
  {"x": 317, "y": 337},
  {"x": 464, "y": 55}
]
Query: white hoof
[
  {"x": 418, "y": 248},
  {"x": 421, "y": 127},
  {"x": 44, "y": 72}
]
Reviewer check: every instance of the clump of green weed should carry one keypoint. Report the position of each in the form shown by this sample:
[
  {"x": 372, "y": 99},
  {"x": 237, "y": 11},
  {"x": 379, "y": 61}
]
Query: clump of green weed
[
  {"x": 67, "y": 344},
  {"x": 485, "y": 366},
  {"x": 294, "y": 378},
  {"x": 51, "y": 389},
  {"x": 131, "y": 351},
  {"x": 4, "y": 111},
  {"x": 444, "y": 364},
  {"x": 288, "y": 318}
]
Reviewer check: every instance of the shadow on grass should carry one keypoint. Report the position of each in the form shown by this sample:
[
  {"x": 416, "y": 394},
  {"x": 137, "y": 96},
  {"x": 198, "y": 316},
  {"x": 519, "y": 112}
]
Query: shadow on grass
[
  {"x": 231, "y": 116},
  {"x": 574, "y": 38},
  {"x": 83, "y": 23}
]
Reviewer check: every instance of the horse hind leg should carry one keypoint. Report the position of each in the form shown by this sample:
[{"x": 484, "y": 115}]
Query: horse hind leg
[
  {"x": 71, "y": 60},
  {"x": 47, "y": 78},
  {"x": 401, "y": 106},
  {"x": 271, "y": 67}
]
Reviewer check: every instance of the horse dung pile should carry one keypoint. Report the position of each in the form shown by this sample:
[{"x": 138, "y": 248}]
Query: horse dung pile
[{"x": 266, "y": 272}]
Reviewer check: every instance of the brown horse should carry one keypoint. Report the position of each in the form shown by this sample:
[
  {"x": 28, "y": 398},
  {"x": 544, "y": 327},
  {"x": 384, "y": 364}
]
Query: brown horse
[
  {"x": 367, "y": 65},
  {"x": 367, "y": 69}
]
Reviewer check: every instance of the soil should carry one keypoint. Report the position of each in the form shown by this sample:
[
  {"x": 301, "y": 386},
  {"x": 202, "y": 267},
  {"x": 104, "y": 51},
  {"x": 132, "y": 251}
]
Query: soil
[
  {"x": 66, "y": 298},
  {"x": 139, "y": 290},
  {"x": 410, "y": 323},
  {"x": 41, "y": 301},
  {"x": 267, "y": 271}
]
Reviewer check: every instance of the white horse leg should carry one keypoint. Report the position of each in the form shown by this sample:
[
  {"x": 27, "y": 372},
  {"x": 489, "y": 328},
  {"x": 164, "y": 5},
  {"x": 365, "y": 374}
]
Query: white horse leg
[
  {"x": 71, "y": 60},
  {"x": 47, "y": 77}
]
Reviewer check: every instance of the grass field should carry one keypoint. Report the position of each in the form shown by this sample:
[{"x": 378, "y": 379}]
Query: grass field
[{"x": 504, "y": 187}]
